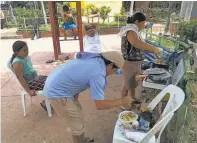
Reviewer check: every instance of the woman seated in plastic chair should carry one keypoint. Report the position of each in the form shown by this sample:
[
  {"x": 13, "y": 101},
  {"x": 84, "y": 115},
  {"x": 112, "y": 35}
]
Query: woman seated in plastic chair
[
  {"x": 26, "y": 74},
  {"x": 69, "y": 22}
]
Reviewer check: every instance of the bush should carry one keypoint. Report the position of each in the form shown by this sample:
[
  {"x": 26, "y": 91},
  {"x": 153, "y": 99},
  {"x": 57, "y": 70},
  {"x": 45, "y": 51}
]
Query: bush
[
  {"x": 92, "y": 9},
  {"x": 104, "y": 11},
  {"x": 42, "y": 27},
  {"x": 27, "y": 13},
  {"x": 187, "y": 30},
  {"x": 121, "y": 16},
  {"x": 157, "y": 14}
]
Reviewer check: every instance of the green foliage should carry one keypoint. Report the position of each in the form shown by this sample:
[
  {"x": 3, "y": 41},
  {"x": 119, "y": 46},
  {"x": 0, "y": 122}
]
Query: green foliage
[
  {"x": 157, "y": 14},
  {"x": 42, "y": 27},
  {"x": 121, "y": 16},
  {"x": 92, "y": 9},
  {"x": 187, "y": 30},
  {"x": 111, "y": 25},
  {"x": 27, "y": 13},
  {"x": 104, "y": 11},
  {"x": 163, "y": 42}
]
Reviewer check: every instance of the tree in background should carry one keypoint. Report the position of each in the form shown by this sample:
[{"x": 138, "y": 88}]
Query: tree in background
[
  {"x": 168, "y": 18},
  {"x": 104, "y": 11},
  {"x": 131, "y": 8},
  {"x": 183, "y": 9},
  {"x": 92, "y": 9},
  {"x": 44, "y": 12},
  {"x": 186, "y": 9}
]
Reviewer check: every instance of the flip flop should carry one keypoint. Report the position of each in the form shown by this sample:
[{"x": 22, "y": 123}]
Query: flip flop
[
  {"x": 44, "y": 106},
  {"x": 67, "y": 58},
  {"x": 88, "y": 139},
  {"x": 50, "y": 61}
]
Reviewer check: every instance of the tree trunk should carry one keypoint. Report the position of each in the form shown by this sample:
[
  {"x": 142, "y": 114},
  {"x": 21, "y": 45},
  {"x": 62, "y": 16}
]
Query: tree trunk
[
  {"x": 188, "y": 10},
  {"x": 44, "y": 12},
  {"x": 183, "y": 9},
  {"x": 131, "y": 8},
  {"x": 168, "y": 18}
]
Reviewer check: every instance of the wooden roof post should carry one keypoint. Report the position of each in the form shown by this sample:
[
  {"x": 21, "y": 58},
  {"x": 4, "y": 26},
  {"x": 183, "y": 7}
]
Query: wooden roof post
[
  {"x": 79, "y": 25},
  {"x": 55, "y": 37}
]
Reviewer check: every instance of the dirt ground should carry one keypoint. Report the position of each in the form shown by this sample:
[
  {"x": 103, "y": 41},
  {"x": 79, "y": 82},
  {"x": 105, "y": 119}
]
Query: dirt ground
[{"x": 37, "y": 127}]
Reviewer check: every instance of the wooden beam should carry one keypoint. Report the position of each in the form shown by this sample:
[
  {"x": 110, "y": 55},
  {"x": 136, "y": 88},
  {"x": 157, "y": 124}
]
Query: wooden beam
[
  {"x": 57, "y": 28},
  {"x": 51, "y": 6},
  {"x": 79, "y": 23}
]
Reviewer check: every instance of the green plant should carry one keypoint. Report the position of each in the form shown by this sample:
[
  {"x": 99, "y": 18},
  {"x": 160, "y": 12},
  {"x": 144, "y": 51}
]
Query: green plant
[
  {"x": 111, "y": 25},
  {"x": 92, "y": 9},
  {"x": 27, "y": 13},
  {"x": 104, "y": 11},
  {"x": 121, "y": 16},
  {"x": 42, "y": 27},
  {"x": 187, "y": 30},
  {"x": 157, "y": 14},
  {"x": 163, "y": 42}
]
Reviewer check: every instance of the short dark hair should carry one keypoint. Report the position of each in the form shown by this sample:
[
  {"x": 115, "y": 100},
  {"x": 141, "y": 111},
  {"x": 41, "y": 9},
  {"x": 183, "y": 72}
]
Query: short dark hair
[
  {"x": 138, "y": 16},
  {"x": 65, "y": 8},
  {"x": 107, "y": 62}
]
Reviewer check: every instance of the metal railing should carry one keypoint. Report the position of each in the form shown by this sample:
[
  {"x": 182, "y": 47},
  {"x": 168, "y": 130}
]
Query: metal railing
[{"x": 26, "y": 24}]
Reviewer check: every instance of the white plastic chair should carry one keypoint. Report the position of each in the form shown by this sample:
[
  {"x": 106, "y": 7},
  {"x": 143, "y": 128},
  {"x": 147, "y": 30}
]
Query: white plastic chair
[
  {"x": 176, "y": 99},
  {"x": 141, "y": 137},
  {"x": 24, "y": 92}
]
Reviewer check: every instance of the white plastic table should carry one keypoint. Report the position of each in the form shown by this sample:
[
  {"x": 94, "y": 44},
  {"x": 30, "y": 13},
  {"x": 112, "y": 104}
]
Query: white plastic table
[{"x": 118, "y": 137}]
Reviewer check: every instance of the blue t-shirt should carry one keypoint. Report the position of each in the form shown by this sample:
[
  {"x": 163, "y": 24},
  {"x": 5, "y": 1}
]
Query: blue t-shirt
[{"x": 75, "y": 76}]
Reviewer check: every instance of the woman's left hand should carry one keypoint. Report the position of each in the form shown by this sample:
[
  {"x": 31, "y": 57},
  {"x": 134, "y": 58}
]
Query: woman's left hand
[
  {"x": 139, "y": 78},
  {"x": 156, "y": 51}
]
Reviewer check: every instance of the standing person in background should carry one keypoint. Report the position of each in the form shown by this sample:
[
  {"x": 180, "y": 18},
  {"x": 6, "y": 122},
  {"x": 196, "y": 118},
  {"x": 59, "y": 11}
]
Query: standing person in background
[{"x": 133, "y": 49}]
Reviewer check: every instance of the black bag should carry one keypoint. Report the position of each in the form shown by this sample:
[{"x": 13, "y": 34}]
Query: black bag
[{"x": 146, "y": 121}]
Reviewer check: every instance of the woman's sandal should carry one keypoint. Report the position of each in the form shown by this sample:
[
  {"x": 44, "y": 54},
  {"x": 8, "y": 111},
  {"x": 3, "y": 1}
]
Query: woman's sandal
[
  {"x": 50, "y": 61},
  {"x": 88, "y": 140},
  {"x": 44, "y": 106}
]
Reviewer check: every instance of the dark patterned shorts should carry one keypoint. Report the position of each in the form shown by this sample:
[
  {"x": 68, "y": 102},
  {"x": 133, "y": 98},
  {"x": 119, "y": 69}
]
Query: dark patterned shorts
[{"x": 38, "y": 84}]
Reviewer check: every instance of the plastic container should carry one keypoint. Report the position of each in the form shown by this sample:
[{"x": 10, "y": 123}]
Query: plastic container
[{"x": 124, "y": 113}]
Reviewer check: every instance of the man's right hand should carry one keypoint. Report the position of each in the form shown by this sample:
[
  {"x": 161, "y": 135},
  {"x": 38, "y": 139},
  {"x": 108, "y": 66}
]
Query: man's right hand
[
  {"x": 126, "y": 101},
  {"x": 32, "y": 93}
]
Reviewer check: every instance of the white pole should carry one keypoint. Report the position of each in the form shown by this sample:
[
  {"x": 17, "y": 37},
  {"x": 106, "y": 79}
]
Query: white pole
[
  {"x": 44, "y": 13},
  {"x": 131, "y": 8},
  {"x": 183, "y": 9},
  {"x": 189, "y": 10}
]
